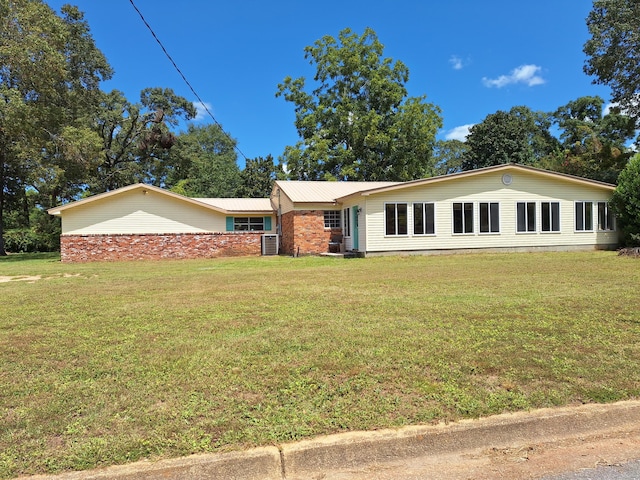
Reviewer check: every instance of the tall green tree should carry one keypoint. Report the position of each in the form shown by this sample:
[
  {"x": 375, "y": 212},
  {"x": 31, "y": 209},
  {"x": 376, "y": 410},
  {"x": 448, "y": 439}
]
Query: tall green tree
[
  {"x": 593, "y": 144},
  {"x": 203, "y": 164},
  {"x": 613, "y": 50},
  {"x": 519, "y": 136},
  {"x": 50, "y": 70},
  {"x": 449, "y": 155},
  {"x": 626, "y": 202},
  {"x": 136, "y": 137},
  {"x": 358, "y": 122},
  {"x": 69, "y": 157},
  {"x": 258, "y": 177}
]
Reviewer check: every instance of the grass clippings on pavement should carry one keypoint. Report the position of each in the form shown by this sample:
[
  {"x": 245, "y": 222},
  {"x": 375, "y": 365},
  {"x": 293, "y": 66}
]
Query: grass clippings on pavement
[{"x": 108, "y": 363}]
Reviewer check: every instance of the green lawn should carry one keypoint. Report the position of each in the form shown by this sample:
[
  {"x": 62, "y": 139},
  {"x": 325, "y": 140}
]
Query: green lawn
[{"x": 108, "y": 363}]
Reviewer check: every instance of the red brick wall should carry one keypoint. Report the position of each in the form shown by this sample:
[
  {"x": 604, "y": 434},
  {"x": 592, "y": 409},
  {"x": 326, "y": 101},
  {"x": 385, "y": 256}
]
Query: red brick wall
[
  {"x": 86, "y": 248},
  {"x": 287, "y": 231},
  {"x": 303, "y": 232}
]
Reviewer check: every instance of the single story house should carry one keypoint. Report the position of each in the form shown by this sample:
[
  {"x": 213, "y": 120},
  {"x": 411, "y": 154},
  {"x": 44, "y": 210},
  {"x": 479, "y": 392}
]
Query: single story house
[
  {"x": 146, "y": 222},
  {"x": 505, "y": 207}
]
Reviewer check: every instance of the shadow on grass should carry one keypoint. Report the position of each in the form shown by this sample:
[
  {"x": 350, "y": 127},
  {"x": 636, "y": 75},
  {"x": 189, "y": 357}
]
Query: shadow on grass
[{"x": 21, "y": 257}]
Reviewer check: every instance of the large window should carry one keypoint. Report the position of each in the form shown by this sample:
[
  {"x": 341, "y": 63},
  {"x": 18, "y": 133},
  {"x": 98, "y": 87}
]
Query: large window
[
  {"x": 550, "y": 213},
  {"x": 241, "y": 224},
  {"x": 332, "y": 219},
  {"x": 525, "y": 217},
  {"x": 463, "y": 217},
  {"x": 424, "y": 219},
  {"x": 395, "y": 218},
  {"x": 605, "y": 217},
  {"x": 347, "y": 223},
  {"x": 584, "y": 216},
  {"x": 489, "y": 217}
]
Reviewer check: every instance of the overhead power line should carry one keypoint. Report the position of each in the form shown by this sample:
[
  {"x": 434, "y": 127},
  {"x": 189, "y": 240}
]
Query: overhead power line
[{"x": 204, "y": 106}]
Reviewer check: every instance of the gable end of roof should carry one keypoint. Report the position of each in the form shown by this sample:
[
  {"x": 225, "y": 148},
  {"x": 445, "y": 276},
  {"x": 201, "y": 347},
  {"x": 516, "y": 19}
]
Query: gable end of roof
[{"x": 483, "y": 171}]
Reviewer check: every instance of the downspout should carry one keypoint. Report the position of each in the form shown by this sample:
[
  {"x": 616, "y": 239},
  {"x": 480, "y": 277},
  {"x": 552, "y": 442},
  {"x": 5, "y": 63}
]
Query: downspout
[{"x": 279, "y": 221}]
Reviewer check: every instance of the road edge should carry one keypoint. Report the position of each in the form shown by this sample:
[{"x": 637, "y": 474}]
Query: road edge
[{"x": 353, "y": 450}]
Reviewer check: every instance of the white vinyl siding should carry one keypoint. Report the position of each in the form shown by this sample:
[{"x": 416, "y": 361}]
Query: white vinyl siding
[
  {"x": 286, "y": 205},
  {"x": 526, "y": 188}
]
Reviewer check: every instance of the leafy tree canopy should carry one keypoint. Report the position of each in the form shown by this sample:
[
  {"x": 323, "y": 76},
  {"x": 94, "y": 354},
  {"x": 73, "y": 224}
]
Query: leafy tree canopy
[
  {"x": 593, "y": 144},
  {"x": 203, "y": 164},
  {"x": 258, "y": 177},
  {"x": 137, "y": 136},
  {"x": 449, "y": 155},
  {"x": 613, "y": 50},
  {"x": 519, "y": 135},
  {"x": 50, "y": 70},
  {"x": 358, "y": 123}
]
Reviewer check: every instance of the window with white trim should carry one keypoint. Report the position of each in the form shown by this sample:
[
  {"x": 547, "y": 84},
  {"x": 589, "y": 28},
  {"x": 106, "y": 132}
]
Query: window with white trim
[
  {"x": 242, "y": 224},
  {"x": 463, "y": 217},
  {"x": 584, "y": 216},
  {"x": 489, "y": 217},
  {"x": 332, "y": 219},
  {"x": 550, "y": 216},
  {"x": 606, "y": 219},
  {"x": 424, "y": 219},
  {"x": 395, "y": 219},
  {"x": 347, "y": 223},
  {"x": 525, "y": 217}
]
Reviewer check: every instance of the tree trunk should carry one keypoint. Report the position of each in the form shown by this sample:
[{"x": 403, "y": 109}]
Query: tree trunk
[{"x": 3, "y": 253}]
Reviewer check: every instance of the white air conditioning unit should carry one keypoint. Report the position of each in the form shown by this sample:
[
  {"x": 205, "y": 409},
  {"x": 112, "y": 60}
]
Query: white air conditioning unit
[{"x": 269, "y": 244}]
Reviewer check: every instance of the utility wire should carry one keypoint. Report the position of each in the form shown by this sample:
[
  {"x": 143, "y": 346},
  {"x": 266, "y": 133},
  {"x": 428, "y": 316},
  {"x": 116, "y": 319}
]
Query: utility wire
[{"x": 204, "y": 106}]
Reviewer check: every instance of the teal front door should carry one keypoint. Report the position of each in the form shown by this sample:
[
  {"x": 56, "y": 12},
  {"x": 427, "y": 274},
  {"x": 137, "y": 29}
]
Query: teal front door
[{"x": 356, "y": 230}]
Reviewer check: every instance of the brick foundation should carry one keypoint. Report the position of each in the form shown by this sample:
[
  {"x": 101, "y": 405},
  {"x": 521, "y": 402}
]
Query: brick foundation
[
  {"x": 303, "y": 232},
  {"x": 87, "y": 248}
]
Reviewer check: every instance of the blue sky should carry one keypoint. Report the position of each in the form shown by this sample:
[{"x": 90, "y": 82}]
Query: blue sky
[{"x": 471, "y": 58}]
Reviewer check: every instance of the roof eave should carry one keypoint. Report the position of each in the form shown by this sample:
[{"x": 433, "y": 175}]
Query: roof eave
[
  {"x": 249, "y": 212},
  {"x": 136, "y": 186},
  {"x": 481, "y": 171}
]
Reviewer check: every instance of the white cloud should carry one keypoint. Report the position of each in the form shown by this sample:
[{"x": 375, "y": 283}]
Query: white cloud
[
  {"x": 458, "y": 133},
  {"x": 526, "y": 74},
  {"x": 456, "y": 62},
  {"x": 607, "y": 108},
  {"x": 632, "y": 105},
  {"x": 614, "y": 105},
  {"x": 201, "y": 111}
]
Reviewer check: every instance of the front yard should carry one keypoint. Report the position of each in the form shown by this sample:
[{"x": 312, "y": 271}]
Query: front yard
[{"x": 108, "y": 363}]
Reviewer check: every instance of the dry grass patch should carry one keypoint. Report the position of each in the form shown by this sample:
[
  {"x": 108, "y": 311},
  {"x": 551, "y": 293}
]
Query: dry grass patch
[{"x": 123, "y": 361}]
